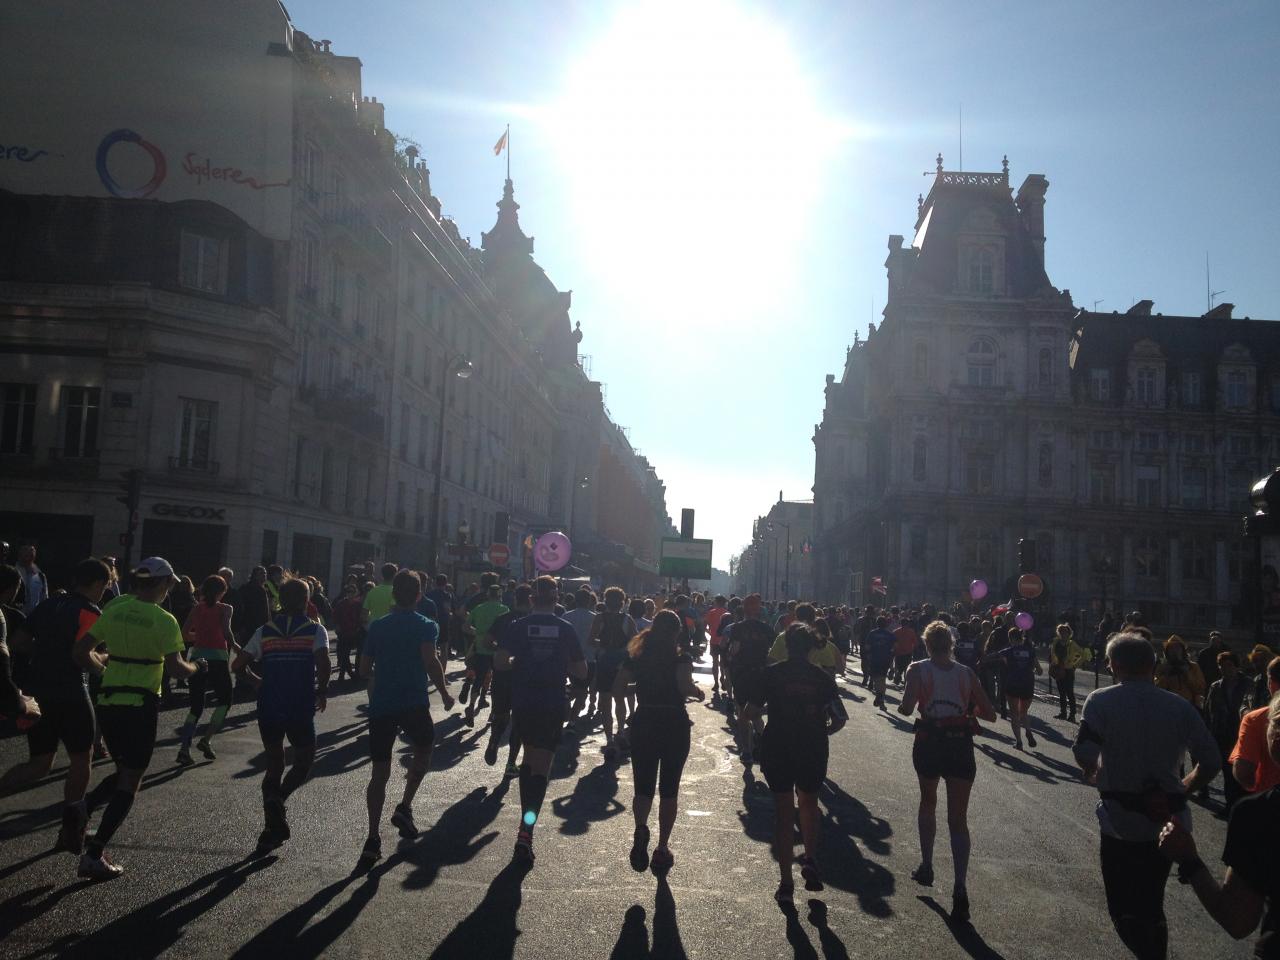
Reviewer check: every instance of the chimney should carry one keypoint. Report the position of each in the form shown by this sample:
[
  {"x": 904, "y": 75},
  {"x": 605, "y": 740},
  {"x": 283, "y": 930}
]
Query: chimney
[
  {"x": 1030, "y": 201},
  {"x": 1221, "y": 312},
  {"x": 1140, "y": 309}
]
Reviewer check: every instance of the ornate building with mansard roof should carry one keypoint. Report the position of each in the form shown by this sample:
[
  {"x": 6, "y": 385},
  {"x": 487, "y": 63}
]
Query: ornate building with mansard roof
[{"x": 987, "y": 409}]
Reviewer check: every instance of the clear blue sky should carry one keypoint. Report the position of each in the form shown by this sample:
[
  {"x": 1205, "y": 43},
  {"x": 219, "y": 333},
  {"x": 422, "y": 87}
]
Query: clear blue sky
[{"x": 716, "y": 181}]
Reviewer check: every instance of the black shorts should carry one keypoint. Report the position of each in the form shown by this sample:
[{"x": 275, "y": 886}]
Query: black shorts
[
  {"x": 299, "y": 731},
  {"x": 715, "y": 653},
  {"x": 1020, "y": 691},
  {"x": 580, "y": 687},
  {"x": 416, "y": 724},
  {"x": 946, "y": 755},
  {"x": 68, "y": 720},
  {"x": 538, "y": 728},
  {"x": 791, "y": 765},
  {"x": 901, "y": 661},
  {"x": 748, "y": 686},
  {"x": 130, "y": 732},
  {"x": 480, "y": 665},
  {"x": 607, "y": 667},
  {"x": 500, "y": 692}
]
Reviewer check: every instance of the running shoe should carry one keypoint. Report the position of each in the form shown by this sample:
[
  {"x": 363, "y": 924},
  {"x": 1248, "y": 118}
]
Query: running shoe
[
  {"x": 277, "y": 819},
  {"x": 640, "y": 850},
  {"x": 98, "y": 868},
  {"x": 809, "y": 872},
  {"x": 923, "y": 875},
  {"x": 1031, "y": 739},
  {"x": 471, "y": 717},
  {"x": 402, "y": 820},
  {"x": 483, "y": 704},
  {"x": 99, "y": 752},
  {"x": 662, "y": 860},
  {"x": 785, "y": 894},
  {"x": 747, "y": 759},
  {"x": 491, "y": 754},
  {"x": 960, "y": 907},
  {"x": 370, "y": 854},
  {"x": 184, "y": 757},
  {"x": 1017, "y": 744},
  {"x": 205, "y": 747},
  {"x": 511, "y": 772},
  {"x": 523, "y": 852},
  {"x": 610, "y": 751}
]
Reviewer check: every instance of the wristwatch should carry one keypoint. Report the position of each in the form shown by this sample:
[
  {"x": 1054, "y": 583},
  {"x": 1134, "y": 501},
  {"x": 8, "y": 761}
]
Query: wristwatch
[{"x": 1187, "y": 869}]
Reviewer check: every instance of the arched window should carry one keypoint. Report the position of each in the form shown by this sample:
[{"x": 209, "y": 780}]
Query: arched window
[
  {"x": 921, "y": 361},
  {"x": 1045, "y": 367},
  {"x": 919, "y": 460},
  {"x": 981, "y": 362}
]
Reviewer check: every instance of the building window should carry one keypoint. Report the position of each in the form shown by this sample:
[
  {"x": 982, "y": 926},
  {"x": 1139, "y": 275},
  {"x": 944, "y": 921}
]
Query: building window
[
  {"x": 1148, "y": 440},
  {"x": 310, "y": 265},
  {"x": 195, "y": 432},
  {"x": 404, "y": 431},
  {"x": 981, "y": 274},
  {"x": 337, "y": 288},
  {"x": 919, "y": 459},
  {"x": 1148, "y": 555},
  {"x": 1237, "y": 392},
  {"x": 1192, "y": 390},
  {"x": 979, "y": 469},
  {"x": 1045, "y": 468},
  {"x": 326, "y": 477},
  {"x": 1102, "y": 439},
  {"x": 311, "y": 157},
  {"x": 921, "y": 361},
  {"x": 1195, "y": 557},
  {"x": 79, "y": 406},
  {"x": 982, "y": 363},
  {"x": 978, "y": 551},
  {"x": 1147, "y": 486},
  {"x": 424, "y": 434},
  {"x": 1145, "y": 386},
  {"x": 1102, "y": 484},
  {"x": 918, "y": 544},
  {"x": 1044, "y": 371},
  {"x": 202, "y": 263},
  {"x": 1239, "y": 446},
  {"x": 1099, "y": 384},
  {"x": 1193, "y": 443},
  {"x": 1195, "y": 487},
  {"x": 270, "y": 546},
  {"x": 17, "y": 417}
]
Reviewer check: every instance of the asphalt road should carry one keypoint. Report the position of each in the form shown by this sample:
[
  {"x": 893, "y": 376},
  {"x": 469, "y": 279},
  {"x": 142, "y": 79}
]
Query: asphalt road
[{"x": 192, "y": 888}]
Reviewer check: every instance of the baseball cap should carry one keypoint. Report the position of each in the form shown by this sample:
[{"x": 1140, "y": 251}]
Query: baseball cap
[{"x": 153, "y": 567}]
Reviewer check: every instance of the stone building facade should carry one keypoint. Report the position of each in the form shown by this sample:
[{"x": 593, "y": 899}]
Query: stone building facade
[
  {"x": 987, "y": 409},
  {"x": 778, "y": 562},
  {"x": 243, "y": 285}
]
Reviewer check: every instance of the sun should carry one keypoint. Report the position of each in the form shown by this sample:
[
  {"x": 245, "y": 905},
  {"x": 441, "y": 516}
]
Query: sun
[{"x": 694, "y": 149}]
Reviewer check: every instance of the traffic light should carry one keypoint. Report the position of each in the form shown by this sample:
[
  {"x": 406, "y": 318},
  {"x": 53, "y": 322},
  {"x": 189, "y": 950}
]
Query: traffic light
[
  {"x": 1026, "y": 556},
  {"x": 686, "y": 524}
]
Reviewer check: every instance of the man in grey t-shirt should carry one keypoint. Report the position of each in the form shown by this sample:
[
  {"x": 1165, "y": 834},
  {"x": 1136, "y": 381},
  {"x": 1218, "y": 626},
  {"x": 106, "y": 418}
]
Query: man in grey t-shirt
[
  {"x": 582, "y": 616},
  {"x": 1131, "y": 742}
]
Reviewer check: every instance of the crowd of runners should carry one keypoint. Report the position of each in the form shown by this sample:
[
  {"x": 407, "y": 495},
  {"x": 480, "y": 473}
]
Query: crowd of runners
[{"x": 88, "y": 668}]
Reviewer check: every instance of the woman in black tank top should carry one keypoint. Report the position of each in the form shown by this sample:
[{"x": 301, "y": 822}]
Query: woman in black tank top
[{"x": 659, "y": 732}]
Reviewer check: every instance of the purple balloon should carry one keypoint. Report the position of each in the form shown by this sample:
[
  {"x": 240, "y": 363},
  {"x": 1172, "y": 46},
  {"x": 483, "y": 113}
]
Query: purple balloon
[
  {"x": 978, "y": 589},
  {"x": 1024, "y": 621},
  {"x": 551, "y": 552}
]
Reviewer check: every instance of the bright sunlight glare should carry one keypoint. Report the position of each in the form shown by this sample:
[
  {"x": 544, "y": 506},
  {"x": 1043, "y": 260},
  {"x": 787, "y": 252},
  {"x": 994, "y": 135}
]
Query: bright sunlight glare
[{"x": 694, "y": 148}]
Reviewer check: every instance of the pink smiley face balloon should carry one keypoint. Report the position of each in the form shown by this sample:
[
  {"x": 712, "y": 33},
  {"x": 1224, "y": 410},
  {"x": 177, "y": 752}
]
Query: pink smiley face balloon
[{"x": 552, "y": 551}]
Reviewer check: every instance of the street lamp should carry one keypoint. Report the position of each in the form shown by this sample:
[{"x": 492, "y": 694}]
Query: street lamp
[
  {"x": 786, "y": 576},
  {"x": 461, "y": 368}
]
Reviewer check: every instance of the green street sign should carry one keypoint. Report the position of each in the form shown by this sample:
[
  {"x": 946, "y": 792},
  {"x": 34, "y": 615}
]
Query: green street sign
[{"x": 685, "y": 559}]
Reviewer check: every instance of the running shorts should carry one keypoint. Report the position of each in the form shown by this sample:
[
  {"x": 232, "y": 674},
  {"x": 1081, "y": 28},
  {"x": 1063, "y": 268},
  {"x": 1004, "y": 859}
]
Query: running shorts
[
  {"x": 748, "y": 686},
  {"x": 299, "y": 731},
  {"x": 607, "y": 670},
  {"x": 68, "y": 720},
  {"x": 538, "y": 728},
  {"x": 416, "y": 724},
  {"x": 500, "y": 692},
  {"x": 793, "y": 766},
  {"x": 946, "y": 755},
  {"x": 480, "y": 664},
  {"x": 1019, "y": 691},
  {"x": 130, "y": 732}
]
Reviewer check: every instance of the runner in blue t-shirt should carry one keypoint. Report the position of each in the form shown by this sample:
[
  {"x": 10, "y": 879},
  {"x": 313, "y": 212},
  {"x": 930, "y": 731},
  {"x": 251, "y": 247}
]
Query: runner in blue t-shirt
[
  {"x": 541, "y": 650},
  {"x": 293, "y": 655},
  {"x": 400, "y": 650},
  {"x": 1021, "y": 667}
]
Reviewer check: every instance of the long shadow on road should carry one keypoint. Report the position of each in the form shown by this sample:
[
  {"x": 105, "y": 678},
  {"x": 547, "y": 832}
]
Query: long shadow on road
[
  {"x": 966, "y": 936},
  {"x": 845, "y": 867},
  {"x": 633, "y": 939},
  {"x": 490, "y": 929}
]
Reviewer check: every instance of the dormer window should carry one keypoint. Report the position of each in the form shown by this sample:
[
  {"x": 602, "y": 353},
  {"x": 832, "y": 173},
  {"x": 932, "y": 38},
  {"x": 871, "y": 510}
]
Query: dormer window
[
  {"x": 981, "y": 362},
  {"x": 981, "y": 275}
]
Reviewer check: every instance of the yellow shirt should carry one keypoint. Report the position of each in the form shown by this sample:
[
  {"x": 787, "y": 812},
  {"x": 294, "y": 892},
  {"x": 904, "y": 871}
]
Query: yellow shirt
[
  {"x": 138, "y": 636},
  {"x": 379, "y": 601}
]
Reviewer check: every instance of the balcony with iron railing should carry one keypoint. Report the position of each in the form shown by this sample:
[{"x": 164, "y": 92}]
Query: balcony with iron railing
[
  {"x": 194, "y": 465},
  {"x": 344, "y": 403}
]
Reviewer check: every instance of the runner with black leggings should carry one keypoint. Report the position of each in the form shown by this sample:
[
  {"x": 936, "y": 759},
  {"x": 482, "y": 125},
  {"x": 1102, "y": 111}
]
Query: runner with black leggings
[
  {"x": 208, "y": 630},
  {"x": 659, "y": 731}
]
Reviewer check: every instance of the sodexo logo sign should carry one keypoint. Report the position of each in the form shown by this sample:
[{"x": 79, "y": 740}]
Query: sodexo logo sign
[{"x": 114, "y": 187}]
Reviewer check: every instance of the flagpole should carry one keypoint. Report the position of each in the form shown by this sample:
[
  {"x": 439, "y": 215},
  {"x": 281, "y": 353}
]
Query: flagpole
[{"x": 508, "y": 151}]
